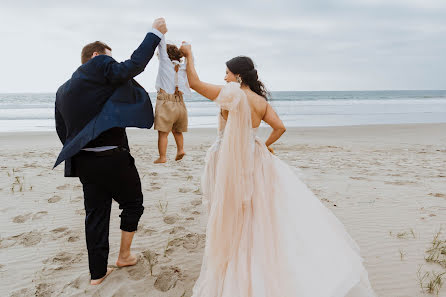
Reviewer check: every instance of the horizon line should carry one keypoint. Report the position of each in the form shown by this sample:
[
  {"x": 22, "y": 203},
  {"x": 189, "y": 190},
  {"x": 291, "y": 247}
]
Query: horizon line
[{"x": 194, "y": 92}]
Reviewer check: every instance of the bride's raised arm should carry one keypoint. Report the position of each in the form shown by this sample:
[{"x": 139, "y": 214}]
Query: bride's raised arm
[{"x": 207, "y": 90}]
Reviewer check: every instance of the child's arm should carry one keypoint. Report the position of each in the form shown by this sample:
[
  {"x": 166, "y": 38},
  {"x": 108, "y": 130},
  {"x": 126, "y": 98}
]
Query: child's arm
[
  {"x": 162, "y": 51},
  {"x": 207, "y": 90}
]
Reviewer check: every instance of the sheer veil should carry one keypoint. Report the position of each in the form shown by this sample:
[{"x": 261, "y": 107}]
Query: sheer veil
[{"x": 234, "y": 179}]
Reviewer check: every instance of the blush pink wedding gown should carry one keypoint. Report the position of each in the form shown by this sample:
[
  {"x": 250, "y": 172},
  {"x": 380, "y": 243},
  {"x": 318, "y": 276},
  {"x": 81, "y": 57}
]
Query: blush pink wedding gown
[{"x": 267, "y": 234}]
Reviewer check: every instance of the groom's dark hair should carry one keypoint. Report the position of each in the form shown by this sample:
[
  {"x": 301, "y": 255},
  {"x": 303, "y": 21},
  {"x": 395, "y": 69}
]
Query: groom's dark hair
[{"x": 90, "y": 48}]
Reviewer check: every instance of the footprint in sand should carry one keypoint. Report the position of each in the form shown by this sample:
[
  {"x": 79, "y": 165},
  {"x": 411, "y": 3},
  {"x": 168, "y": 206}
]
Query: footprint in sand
[
  {"x": 139, "y": 271},
  {"x": 171, "y": 219},
  {"x": 151, "y": 258},
  {"x": 196, "y": 202},
  {"x": 73, "y": 238},
  {"x": 64, "y": 187},
  {"x": 39, "y": 215},
  {"x": 21, "y": 218},
  {"x": 54, "y": 199},
  {"x": 26, "y": 239},
  {"x": 193, "y": 241},
  {"x": 146, "y": 231},
  {"x": 189, "y": 241},
  {"x": 59, "y": 230},
  {"x": 167, "y": 279},
  {"x": 65, "y": 258},
  {"x": 44, "y": 289},
  {"x": 77, "y": 199},
  {"x": 65, "y": 232}
]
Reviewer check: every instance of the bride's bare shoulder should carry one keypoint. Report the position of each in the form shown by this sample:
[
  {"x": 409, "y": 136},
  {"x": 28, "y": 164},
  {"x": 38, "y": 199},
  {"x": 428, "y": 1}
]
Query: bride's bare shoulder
[{"x": 257, "y": 102}]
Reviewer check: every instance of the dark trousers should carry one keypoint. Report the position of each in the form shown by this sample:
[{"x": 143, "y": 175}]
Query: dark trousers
[{"x": 107, "y": 177}]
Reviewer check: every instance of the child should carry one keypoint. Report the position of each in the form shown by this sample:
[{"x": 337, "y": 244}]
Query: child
[{"x": 170, "y": 110}]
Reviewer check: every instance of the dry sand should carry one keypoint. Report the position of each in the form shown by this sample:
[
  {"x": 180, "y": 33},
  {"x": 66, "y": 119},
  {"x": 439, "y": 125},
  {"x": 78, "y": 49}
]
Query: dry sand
[{"x": 380, "y": 181}]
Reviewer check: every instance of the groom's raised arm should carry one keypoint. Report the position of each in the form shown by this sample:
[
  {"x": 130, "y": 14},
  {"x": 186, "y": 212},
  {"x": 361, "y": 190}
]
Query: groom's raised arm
[{"x": 116, "y": 72}]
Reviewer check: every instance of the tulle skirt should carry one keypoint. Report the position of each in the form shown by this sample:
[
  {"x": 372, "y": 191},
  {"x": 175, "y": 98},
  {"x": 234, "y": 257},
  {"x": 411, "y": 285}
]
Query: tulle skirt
[{"x": 291, "y": 244}]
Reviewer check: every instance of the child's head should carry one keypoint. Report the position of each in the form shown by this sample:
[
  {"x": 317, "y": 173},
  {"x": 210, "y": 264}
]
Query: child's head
[{"x": 173, "y": 52}]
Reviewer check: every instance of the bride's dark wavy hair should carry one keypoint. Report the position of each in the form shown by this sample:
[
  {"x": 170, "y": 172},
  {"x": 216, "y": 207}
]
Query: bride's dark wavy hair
[{"x": 244, "y": 66}]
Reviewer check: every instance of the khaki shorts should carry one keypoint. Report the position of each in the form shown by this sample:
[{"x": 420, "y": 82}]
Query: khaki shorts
[{"x": 170, "y": 113}]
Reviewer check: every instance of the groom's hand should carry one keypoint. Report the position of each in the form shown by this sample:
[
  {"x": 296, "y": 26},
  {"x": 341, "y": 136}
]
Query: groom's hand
[{"x": 160, "y": 25}]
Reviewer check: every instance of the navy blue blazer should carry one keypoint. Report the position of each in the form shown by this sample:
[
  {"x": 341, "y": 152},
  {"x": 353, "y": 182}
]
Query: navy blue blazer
[{"x": 100, "y": 95}]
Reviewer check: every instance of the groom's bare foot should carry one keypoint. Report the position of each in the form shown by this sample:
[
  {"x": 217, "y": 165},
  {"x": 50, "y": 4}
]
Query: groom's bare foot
[
  {"x": 180, "y": 156},
  {"x": 100, "y": 280},
  {"x": 130, "y": 260},
  {"x": 160, "y": 160}
]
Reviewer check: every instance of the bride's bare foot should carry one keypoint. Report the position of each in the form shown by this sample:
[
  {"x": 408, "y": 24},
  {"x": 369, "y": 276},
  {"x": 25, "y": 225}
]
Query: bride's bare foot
[
  {"x": 127, "y": 261},
  {"x": 100, "y": 280},
  {"x": 160, "y": 160},
  {"x": 180, "y": 156}
]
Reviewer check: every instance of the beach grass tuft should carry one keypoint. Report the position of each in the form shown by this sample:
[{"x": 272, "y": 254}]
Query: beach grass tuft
[{"x": 430, "y": 281}]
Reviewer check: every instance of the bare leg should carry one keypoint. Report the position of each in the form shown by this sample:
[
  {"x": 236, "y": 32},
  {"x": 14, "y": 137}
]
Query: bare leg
[
  {"x": 100, "y": 280},
  {"x": 180, "y": 141},
  {"x": 162, "y": 147},
  {"x": 125, "y": 257}
]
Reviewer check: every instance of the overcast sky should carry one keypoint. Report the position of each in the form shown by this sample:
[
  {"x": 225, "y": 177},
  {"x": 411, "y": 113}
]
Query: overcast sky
[{"x": 296, "y": 45}]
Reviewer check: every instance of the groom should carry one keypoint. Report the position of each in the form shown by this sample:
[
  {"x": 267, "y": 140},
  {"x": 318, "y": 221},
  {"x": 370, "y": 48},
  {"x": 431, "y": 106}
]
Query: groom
[{"x": 93, "y": 108}]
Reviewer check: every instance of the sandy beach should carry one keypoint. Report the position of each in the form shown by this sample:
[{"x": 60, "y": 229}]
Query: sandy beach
[{"x": 386, "y": 183}]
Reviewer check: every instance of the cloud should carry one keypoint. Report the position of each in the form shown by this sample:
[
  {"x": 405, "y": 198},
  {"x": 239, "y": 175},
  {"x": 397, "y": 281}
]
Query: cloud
[{"x": 297, "y": 45}]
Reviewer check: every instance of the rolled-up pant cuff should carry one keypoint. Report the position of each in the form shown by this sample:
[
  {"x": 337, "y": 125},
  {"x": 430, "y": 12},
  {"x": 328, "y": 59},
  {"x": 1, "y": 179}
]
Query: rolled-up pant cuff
[
  {"x": 130, "y": 218},
  {"x": 129, "y": 227}
]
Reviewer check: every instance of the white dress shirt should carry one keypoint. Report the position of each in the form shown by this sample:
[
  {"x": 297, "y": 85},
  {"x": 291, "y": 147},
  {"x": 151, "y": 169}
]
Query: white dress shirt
[
  {"x": 157, "y": 33},
  {"x": 168, "y": 79}
]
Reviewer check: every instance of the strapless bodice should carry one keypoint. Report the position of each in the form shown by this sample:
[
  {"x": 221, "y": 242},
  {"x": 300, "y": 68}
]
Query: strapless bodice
[{"x": 222, "y": 126}]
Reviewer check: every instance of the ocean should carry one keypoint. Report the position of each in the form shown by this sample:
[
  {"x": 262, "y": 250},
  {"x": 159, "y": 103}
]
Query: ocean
[{"x": 35, "y": 111}]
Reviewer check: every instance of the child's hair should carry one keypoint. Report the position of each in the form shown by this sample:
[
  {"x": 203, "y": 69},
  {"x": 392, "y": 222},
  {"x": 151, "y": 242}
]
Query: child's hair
[{"x": 173, "y": 52}]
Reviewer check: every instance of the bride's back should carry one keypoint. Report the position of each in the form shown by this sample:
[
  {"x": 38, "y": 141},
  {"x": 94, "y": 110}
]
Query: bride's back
[{"x": 257, "y": 104}]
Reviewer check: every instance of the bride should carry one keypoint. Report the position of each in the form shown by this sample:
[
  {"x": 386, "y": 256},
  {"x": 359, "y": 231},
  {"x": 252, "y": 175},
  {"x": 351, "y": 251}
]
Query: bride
[{"x": 267, "y": 234}]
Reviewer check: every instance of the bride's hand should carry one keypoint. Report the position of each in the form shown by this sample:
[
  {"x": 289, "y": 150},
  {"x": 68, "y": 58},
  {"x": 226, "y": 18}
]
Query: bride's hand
[
  {"x": 271, "y": 150},
  {"x": 186, "y": 49}
]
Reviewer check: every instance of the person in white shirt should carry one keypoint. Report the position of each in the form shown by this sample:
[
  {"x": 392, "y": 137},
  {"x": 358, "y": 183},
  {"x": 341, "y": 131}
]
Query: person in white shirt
[{"x": 170, "y": 110}]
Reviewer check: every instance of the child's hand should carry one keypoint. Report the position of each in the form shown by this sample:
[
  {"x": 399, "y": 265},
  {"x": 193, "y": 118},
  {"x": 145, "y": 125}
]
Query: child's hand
[{"x": 186, "y": 49}]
